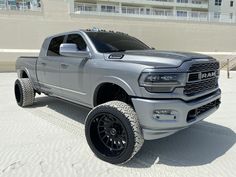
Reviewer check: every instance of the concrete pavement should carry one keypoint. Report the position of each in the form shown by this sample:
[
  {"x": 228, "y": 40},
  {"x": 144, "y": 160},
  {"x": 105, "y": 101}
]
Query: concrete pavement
[{"x": 48, "y": 140}]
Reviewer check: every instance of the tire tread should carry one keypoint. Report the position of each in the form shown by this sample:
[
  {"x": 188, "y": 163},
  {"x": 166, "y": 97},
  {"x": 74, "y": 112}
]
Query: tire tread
[
  {"x": 131, "y": 115},
  {"x": 27, "y": 91}
]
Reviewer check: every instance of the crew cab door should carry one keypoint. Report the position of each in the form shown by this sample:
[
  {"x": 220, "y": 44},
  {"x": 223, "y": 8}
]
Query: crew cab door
[
  {"x": 73, "y": 73},
  {"x": 49, "y": 67}
]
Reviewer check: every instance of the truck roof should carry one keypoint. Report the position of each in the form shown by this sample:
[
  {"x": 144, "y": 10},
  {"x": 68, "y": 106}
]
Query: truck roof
[{"x": 86, "y": 30}]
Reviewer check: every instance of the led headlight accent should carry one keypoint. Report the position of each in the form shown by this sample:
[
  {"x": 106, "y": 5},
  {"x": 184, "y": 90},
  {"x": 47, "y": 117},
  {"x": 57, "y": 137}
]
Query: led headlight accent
[
  {"x": 148, "y": 79},
  {"x": 160, "y": 82},
  {"x": 161, "y": 78}
]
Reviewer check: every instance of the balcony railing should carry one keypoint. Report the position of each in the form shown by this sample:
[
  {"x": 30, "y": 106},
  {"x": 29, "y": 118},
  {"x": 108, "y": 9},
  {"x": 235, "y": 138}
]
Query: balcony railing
[
  {"x": 189, "y": 3},
  {"x": 22, "y": 5},
  {"x": 181, "y": 1},
  {"x": 130, "y": 11}
]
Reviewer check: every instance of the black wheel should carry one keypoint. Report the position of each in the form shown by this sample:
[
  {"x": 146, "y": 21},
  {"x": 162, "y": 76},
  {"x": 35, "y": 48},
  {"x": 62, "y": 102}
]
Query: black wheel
[
  {"x": 24, "y": 92},
  {"x": 113, "y": 132}
]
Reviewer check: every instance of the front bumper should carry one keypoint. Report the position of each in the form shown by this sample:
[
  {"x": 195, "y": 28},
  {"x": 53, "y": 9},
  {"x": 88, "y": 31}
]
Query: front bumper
[{"x": 154, "y": 128}]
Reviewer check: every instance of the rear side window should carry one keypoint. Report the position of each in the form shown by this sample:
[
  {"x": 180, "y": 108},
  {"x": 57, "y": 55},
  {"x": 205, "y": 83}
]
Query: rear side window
[
  {"x": 78, "y": 40},
  {"x": 54, "y": 46}
]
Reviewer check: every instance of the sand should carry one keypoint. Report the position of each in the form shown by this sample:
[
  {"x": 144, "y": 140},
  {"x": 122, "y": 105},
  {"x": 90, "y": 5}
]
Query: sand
[{"x": 48, "y": 140}]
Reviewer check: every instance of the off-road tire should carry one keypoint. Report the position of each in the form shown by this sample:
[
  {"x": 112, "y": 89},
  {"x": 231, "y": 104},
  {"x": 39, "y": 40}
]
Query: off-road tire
[
  {"x": 126, "y": 115},
  {"x": 24, "y": 92}
]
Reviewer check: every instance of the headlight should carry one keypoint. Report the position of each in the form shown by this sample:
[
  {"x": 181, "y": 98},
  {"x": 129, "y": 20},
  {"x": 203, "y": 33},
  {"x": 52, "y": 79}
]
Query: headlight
[{"x": 160, "y": 82}]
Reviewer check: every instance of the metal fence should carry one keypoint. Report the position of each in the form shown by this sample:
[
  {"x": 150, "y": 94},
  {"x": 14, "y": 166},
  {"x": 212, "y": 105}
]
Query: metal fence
[
  {"x": 229, "y": 65},
  {"x": 21, "y": 5},
  {"x": 130, "y": 11}
]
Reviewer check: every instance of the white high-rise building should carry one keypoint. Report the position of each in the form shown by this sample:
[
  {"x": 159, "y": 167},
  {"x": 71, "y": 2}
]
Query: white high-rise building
[
  {"x": 192, "y": 10},
  {"x": 223, "y": 10},
  {"x": 196, "y": 10},
  {"x": 22, "y": 5}
]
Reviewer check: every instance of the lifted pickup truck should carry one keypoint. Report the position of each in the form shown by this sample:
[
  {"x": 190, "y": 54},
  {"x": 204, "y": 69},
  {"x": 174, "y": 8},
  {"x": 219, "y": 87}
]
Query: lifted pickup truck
[{"x": 135, "y": 92}]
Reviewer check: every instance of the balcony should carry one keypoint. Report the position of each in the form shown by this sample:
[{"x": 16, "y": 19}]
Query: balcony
[
  {"x": 157, "y": 13},
  {"x": 21, "y": 5},
  {"x": 200, "y": 4},
  {"x": 192, "y": 3}
]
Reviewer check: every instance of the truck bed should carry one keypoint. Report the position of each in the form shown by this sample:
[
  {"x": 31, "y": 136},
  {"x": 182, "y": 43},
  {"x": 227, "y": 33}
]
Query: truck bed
[{"x": 28, "y": 65}]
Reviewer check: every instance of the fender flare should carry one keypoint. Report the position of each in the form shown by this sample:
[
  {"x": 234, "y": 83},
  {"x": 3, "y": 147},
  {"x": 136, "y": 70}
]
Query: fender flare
[
  {"x": 112, "y": 80},
  {"x": 24, "y": 70},
  {"x": 21, "y": 70}
]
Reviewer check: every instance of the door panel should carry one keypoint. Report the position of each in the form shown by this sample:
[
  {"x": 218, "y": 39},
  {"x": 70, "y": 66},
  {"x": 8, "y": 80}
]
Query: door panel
[
  {"x": 72, "y": 73},
  {"x": 40, "y": 70},
  {"x": 50, "y": 67}
]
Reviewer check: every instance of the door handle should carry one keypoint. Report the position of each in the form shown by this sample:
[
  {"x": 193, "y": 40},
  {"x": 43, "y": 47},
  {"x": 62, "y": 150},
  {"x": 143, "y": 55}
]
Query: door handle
[
  {"x": 44, "y": 64},
  {"x": 63, "y": 65}
]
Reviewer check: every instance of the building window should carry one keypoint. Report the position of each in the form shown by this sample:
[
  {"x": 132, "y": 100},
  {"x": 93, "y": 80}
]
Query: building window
[
  {"x": 218, "y": 2},
  {"x": 108, "y": 8},
  {"x": 130, "y": 10},
  {"x": 182, "y": 13},
  {"x": 20, "y": 4},
  {"x": 197, "y": 2},
  {"x": 216, "y": 15},
  {"x": 182, "y": 1},
  {"x": 231, "y": 3}
]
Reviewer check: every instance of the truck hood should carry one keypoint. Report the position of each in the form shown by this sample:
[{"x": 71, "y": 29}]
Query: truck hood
[{"x": 156, "y": 58}]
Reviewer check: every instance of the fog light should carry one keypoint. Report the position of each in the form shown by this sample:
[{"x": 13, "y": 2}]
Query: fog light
[{"x": 164, "y": 114}]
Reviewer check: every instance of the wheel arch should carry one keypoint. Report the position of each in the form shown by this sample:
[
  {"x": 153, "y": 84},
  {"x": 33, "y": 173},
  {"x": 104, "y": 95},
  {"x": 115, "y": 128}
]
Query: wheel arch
[
  {"x": 112, "y": 80},
  {"x": 24, "y": 73}
]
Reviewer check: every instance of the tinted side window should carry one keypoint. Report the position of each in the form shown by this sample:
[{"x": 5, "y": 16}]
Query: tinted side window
[
  {"x": 54, "y": 46},
  {"x": 78, "y": 40}
]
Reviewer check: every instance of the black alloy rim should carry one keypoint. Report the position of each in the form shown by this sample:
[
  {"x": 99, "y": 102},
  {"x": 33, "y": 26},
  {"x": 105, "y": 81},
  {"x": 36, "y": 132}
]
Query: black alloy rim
[{"x": 111, "y": 133}]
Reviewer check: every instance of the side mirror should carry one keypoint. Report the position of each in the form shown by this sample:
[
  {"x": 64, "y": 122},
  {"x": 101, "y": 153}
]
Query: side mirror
[{"x": 71, "y": 50}]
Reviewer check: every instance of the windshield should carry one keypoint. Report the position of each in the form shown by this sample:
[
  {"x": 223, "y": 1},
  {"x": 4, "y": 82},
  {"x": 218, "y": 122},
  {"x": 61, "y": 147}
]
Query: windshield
[{"x": 115, "y": 42}]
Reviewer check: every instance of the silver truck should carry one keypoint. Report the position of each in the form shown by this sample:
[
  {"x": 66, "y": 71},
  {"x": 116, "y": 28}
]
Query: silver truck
[{"x": 136, "y": 93}]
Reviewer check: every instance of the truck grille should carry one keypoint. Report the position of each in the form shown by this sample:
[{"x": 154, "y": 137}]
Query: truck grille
[
  {"x": 194, "y": 88},
  {"x": 192, "y": 115},
  {"x": 204, "y": 67},
  {"x": 201, "y": 78}
]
